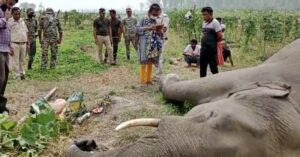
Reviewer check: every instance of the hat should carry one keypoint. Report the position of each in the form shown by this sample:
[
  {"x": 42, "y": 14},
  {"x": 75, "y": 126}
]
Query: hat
[
  {"x": 49, "y": 11},
  {"x": 223, "y": 26},
  {"x": 128, "y": 9}
]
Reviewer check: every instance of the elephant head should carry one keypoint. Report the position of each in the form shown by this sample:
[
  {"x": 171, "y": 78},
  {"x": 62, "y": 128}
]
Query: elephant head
[{"x": 258, "y": 120}]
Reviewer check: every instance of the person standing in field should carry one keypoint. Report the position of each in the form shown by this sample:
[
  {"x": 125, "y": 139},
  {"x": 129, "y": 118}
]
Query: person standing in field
[
  {"x": 32, "y": 25},
  {"x": 19, "y": 43},
  {"x": 212, "y": 34},
  {"x": 116, "y": 28},
  {"x": 164, "y": 20},
  {"x": 150, "y": 43},
  {"x": 129, "y": 25},
  {"x": 50, "y": 35},
  {"x": 103, "y": 35},
  {"x": 5, "y": 49}
]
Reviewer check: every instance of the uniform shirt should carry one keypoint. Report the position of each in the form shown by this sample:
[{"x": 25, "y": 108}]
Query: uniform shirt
[
  {"x": 130, "y": 24},
  {"x": 32, "y": 26},
  {"x": 210, "y": 30},
  {"x": 4, "y": 34},
  {"x": 189, "y": 50},
  {"x": 50, "y": 28},
  {"x": 102, "y": 26},
  {"x": 18, "y": 30},
  {"x": 115, "y": 27}
]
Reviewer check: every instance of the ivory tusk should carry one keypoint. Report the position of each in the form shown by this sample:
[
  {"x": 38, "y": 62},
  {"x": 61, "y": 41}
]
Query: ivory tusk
[{"x": 139, "y": 122}]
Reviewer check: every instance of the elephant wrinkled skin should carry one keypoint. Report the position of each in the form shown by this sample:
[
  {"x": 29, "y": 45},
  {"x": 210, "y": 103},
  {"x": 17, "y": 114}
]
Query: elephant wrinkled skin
[{"x": 251, "y": 112}]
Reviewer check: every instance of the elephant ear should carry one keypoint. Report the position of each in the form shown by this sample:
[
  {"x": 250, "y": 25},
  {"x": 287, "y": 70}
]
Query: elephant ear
[
  {"x": 276, "y": 89},
  {"x": 273, "y": 89}
]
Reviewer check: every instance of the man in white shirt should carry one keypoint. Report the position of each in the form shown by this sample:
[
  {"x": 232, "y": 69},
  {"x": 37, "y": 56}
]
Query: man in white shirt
[
  {"x": 18, "y": 43},
  {"x": 192, "y": 53},
  {"x": 163, "y": 19}
]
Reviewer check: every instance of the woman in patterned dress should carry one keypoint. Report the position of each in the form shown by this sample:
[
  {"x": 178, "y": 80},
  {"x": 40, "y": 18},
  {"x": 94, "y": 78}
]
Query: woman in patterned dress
[{"x": 149, "y": 43}]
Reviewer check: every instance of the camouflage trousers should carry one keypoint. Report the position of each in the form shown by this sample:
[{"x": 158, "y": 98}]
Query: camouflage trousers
[
  {"x": 129, "y": 39},
  {"x": 54, "y": 48},
  {"x": 31, "y": 51}
]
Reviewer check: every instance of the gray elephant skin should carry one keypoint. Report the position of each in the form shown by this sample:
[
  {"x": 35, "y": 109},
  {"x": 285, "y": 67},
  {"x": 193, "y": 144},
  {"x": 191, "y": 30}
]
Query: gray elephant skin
[{"x": 252, "y": 112}]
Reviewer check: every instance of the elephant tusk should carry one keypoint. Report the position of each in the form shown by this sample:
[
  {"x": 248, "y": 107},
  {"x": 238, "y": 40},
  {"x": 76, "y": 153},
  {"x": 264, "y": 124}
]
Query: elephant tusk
[{"x": 139, "y": 122}]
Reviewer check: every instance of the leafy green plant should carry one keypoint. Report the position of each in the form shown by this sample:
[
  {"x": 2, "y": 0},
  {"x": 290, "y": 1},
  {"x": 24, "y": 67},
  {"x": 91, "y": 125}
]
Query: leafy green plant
[
  {"x": 31, "y": 137},
  {"x": 249, "y": 28}
]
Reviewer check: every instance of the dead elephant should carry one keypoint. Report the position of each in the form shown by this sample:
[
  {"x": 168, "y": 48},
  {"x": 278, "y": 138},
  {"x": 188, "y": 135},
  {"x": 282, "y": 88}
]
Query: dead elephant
[{"x": 253, "y": 112}]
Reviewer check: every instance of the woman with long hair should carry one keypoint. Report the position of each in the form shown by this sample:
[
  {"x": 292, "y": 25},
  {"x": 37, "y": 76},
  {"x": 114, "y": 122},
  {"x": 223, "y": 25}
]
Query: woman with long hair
[{"x": 149, "y": 42}]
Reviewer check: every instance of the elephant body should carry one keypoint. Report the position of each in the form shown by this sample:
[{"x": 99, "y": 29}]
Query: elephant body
[{"x": 251, "y": 112}]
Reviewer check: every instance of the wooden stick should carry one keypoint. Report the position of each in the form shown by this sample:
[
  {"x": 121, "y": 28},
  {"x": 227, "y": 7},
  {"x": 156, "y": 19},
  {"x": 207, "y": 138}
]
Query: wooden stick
[
  {"x": 50, "y": 94},
  {"x": 47, "y": 97}
]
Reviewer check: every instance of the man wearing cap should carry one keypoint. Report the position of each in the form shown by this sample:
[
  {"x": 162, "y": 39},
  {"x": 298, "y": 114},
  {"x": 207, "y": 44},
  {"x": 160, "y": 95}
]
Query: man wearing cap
[
  {"x": 5, "y": 48},
  {"x": 32, "y": 25},
  {"x": 129, "y": 24},
  {"x": 103, "y": 35},
  {"x": 50, "y": 35}
]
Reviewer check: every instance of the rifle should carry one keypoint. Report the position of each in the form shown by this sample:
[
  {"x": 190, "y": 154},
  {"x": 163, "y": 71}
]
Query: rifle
[{"x": 57, "y": 14}]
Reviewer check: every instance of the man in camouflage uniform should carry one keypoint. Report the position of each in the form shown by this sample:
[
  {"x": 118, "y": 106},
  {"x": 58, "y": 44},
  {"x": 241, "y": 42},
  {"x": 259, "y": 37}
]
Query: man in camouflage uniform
[
  {"x": 129, "y": 24},
  {"x": 32, "y": 26},
  {"x": 50, "y": 34}
]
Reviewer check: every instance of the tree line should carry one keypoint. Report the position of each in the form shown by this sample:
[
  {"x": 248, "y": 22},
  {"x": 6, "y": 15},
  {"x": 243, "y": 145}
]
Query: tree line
[{"x": 228, "y": 4}]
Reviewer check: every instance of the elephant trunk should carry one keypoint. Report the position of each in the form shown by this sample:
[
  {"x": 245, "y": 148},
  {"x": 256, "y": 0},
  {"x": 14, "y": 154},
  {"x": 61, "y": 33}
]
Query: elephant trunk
[
  {"x": 215, "y": 87},
  {"x": 143, "y": 148}
]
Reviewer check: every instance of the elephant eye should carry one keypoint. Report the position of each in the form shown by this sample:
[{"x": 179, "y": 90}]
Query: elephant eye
[{"x": 203, "y": 117}]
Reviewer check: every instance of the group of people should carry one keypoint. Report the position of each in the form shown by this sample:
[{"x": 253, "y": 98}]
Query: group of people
[
  {"x": 213, "y": 50},
  {"x": 108, "y": 31},
  {"x": 148, "y": 36},
  {"x": 18, "y": 38},
  {"x": 23, "y": 36}
]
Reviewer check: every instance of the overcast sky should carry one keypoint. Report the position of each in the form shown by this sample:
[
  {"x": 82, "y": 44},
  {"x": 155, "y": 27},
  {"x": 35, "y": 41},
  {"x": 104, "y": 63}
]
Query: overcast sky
[{"x": 86, "y": 4}]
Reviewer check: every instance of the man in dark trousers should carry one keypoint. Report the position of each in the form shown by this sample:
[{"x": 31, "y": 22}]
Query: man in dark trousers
[
  {"x": 116, "y": 28},
  {"x": 212, "y": 34},
  {"x": 5, "y": 48}
]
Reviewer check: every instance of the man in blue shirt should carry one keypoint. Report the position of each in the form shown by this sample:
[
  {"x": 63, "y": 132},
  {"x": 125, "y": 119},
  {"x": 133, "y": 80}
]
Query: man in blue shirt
[{"x": 5, "y": 48}]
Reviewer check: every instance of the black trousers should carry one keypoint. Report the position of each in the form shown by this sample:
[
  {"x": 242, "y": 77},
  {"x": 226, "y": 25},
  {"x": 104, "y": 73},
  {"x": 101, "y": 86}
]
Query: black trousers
[
  {"x": 4, "y": 71},
  {"x": 115, "y": 44},
  {"x": 208, "y": 57}
]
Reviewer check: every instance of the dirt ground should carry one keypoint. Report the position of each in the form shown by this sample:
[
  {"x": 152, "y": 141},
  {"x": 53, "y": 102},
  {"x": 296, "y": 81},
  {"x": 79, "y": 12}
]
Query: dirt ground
[{"x": 130, "y": 100}]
